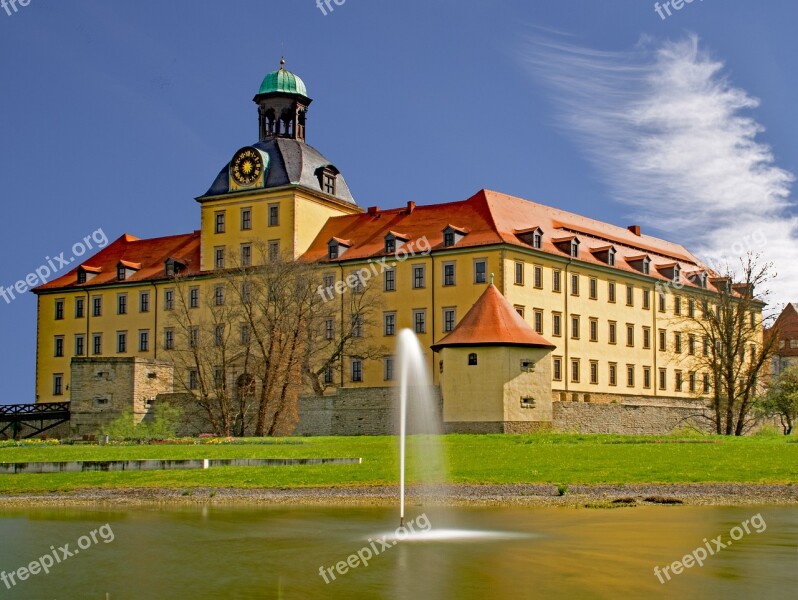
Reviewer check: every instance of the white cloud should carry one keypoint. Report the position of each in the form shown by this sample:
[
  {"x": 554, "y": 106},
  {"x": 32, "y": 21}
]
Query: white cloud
[{"x": 673, "y": 138}]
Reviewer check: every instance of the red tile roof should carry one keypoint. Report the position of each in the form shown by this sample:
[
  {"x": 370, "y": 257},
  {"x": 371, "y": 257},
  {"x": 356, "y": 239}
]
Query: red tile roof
[
  {"x": 128, "y": 250},
  {"x": 492, "y": 321},
  {"x": 495, "y": 218}
]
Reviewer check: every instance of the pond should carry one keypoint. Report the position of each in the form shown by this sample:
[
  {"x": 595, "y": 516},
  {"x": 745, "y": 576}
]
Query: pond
[{"x": 326, "y": 552}]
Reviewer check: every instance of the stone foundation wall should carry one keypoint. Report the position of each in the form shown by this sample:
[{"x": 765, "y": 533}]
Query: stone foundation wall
[{"x": 627, "y": 418}]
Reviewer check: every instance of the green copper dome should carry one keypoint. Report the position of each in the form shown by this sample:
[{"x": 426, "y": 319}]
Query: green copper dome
[{"x": 284, "y": 82}]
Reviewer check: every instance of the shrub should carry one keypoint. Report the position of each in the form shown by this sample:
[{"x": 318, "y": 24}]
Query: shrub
[{"x": 562, "y": 489}]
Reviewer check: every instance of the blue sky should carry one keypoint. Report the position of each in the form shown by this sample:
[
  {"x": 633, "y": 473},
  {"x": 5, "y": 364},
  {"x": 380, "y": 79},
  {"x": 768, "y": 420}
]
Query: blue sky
[{"x": 115, "y": 115}]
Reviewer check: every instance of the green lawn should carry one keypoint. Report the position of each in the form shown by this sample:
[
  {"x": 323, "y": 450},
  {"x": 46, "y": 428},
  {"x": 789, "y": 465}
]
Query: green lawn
[{"x": 542, "y": 458}]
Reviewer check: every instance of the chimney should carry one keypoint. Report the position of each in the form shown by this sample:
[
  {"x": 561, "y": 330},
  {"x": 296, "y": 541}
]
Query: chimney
[
  {"x": 411, "y": 206},
  {"x": 635, "y": 229},
  {"x": 373, "y": 210}
]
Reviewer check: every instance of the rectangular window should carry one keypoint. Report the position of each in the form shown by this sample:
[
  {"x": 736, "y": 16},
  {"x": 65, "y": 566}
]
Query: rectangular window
[
  {"x": 678, "y": 381},
  {"x": 647, "y": 338},
  {"x": 556, "y": 324},
  {"x": 329, "y": 329},
  {"x": 538, "y": 275},
  {"x": 59, "y": 309},
  {"x": 218, "y": 336},
  {"x": 359, "y": 285},
  {"x": 420, "y": 321},
  {"x": 630, "y": 376},
  {"x": 556, "y": 280},
  {"x": 218, "y": 295},
  {"x": 246, "y": 219},
  {"x": 448, "y": 273},
  {"x": 691, "y": 344},
  {"x": 663, "y": 343},
  {"x": 58, "y": 346},
  {"x": 613, "y": 373},
  {"x": 519, "y": 308},
  {"x": 244, "y": 333},
  {"x": 121, "y": 304},
  {"x": 448, "y": 239},
  {"x": 662, "y": 302},
  {"x": 706, "y": 383},
  {"x": 80, "y": 345},
  {"x": 646, "y": 299},
  {"x": 193, "y": 380},
  {"x": 193, "y": 297},
  {"x": 274, "y": 215},
  {"x": 556, "y": 367},
  {"x": 418, "y": 277},
  {"x": 144, "y": 341},
  {"x": 613, "y": 332},
  {"x": 630, "y": 295},
  {"x": 575, "y": 327},
  {"x": 144, "y": 302},
  {"x": 219, "y": 224},
  {"x": 328, "y": 374},
  {"x": 677, "y": 342},
  {"x": 193, "y": 337},
  {"x": 574, "y": 284},
  {"x": 575, "y": 371},
  {"x": 387, "y": 368},
  {"x": 58, "y": 384},
  {"x": 593, "y": 288},
  {"x": 389, "y": 322},
  {"x": 357, "y": 369},
  {"x": 97, "y": 343},
  {"x": 79, "y": 308},
  {"x": 246, "y": 255},
  {"x": 630, "y": 335},
  {"x": 449, "y": 319},
  {"x": 519, "y": 273},
  {"x": 691, "y": 382},
  {"x": 691, "y": 308},
  {"x": 539, "y": 321},
  {"x": 594, "y": 367},
  {"x": 390, "y": 280},
  {"x": 169, "y": 299},
  {"x": 218, "y": 257},
  {"x": 121, "y": 342},
  {"x": 677, "y": 305},
  {"x": 647, "y": 378},
  {"x": 480, "y": 271},
  {"x": 593, "y": 330},
  {"x": 611, "y": 291},
  {"x": 169, "y": 339}
]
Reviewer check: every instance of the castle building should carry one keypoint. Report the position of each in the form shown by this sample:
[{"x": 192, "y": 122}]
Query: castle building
[
  {"x": 786, "y": 326},
  {"x": 600, "y": 312}
]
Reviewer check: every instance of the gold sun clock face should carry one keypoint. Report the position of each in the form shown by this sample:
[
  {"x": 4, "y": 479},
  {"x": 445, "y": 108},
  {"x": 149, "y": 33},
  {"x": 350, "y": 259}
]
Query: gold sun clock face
[{"x": 247, "y": 167}]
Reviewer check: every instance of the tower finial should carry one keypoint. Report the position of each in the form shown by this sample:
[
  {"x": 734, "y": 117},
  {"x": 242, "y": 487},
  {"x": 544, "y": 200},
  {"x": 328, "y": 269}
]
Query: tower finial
[{"x": 491, "y": 278}]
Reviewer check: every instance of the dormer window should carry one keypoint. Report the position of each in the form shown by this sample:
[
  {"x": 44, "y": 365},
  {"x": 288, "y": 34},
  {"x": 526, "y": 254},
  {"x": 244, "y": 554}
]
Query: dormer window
[
  {"x": 173, "y": 267},
  {"x": 699, "y": 278},
  {"x": 642, "y": 263},
  {"x": 126, "y": 269},
  {"x": 87, "y": 273},
  {"x": 394, "y": 241},
  {"x": 569, "y": 245},
  {"x": 336, "y": 248},
  {"x": 605, "y": 254},
  {"x": 532, "y": 236},
  {"x": 328, "y": 179},
  {"x": 452, "y": 235},
  {"x": 677, "y": 274},
  {"x": 672, "y": 271}
]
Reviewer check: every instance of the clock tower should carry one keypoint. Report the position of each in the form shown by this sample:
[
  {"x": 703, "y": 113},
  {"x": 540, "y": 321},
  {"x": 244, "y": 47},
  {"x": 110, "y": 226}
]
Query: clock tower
[{"x": 282, "y": 105}]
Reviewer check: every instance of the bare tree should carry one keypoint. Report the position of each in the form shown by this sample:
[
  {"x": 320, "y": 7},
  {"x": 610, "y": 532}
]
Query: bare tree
[{"x": 736, "y": 354}]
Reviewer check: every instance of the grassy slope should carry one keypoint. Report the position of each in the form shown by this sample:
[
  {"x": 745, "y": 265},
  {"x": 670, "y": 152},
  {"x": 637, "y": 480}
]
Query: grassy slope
[{"x": 545, "y": 458}]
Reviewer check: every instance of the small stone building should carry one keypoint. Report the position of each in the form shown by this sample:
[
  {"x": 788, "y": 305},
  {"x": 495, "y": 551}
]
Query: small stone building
[{"x": 495, "y": 371}]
